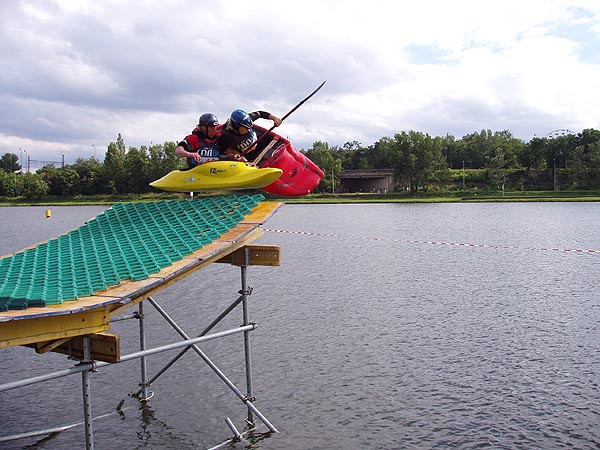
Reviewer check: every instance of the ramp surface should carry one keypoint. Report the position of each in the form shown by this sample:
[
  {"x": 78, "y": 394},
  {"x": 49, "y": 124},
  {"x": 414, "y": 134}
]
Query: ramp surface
[{"x": 130, "y": 241}]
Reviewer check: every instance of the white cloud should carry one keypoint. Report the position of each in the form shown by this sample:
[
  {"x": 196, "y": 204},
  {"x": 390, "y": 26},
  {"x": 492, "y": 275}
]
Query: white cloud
[{"x": 76, "y": 73}]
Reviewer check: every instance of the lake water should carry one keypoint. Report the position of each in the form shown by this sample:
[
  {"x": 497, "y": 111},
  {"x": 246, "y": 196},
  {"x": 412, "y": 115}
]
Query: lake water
[{"x": 378, "y": 331}]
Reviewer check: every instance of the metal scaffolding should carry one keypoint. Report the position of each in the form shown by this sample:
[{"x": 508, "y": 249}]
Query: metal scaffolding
[
  {"x": 81, "y": 328},
  {"x": 88, "y": 365}
]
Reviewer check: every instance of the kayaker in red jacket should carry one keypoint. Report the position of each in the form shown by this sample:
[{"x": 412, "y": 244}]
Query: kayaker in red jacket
[
  {"x": 237, "y": 134},
  {"x": 201, "y": 146}
]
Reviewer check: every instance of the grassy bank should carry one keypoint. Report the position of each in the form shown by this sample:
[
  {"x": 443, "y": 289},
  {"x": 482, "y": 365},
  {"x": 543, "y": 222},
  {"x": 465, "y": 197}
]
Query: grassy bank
[
  {"x": 89, "y": 199},
  {"x": 454, "y": 197},
  {"x": 425, "y": 197}
]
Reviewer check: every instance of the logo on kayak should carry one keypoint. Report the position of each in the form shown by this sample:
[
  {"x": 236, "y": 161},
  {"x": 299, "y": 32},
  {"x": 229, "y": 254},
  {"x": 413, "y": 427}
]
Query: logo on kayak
[
  {"x": 189, "y": 180},
  {"x": 215, "y": 170}
]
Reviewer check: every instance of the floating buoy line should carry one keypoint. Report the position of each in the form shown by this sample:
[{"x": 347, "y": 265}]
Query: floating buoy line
[{"x": 454, "y": 244}]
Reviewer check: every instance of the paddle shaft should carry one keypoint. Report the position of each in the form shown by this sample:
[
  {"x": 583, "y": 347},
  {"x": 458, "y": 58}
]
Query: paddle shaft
[{"x": 286, "y": 116}]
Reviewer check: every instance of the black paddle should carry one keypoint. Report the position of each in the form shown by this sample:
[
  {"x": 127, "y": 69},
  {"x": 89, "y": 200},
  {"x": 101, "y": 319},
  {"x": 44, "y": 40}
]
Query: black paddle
[{"x": 285, "y": 117}]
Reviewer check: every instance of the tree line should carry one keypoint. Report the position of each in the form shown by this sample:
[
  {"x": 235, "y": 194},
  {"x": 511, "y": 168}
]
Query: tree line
[
  {"x": 484, "y": 160},
  {"x": 123, "y": 171}
]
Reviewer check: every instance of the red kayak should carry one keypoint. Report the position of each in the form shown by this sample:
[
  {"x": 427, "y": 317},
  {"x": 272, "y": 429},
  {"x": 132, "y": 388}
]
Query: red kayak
[{"x": 300, "y": 175}]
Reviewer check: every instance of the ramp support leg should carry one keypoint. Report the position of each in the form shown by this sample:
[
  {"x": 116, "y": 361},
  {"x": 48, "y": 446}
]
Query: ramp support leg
[
  {"x": 144, "y": 383},
  {"x": 87, "y": 405},
  {"x": 245, "y": 292}
]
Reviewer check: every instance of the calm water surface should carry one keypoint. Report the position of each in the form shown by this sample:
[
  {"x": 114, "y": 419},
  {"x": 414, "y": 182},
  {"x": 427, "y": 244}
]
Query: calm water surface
[{"x": 369, "y": 336}]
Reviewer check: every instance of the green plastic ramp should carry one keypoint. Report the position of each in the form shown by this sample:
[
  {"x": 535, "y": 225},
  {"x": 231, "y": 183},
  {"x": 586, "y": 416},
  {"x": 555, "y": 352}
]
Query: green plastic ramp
[{"x": 128, "y": 241}]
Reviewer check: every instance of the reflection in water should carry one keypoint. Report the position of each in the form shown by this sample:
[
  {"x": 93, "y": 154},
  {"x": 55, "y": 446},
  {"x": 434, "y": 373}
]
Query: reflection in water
[
  {"x": 250, "y": 440},
  {"x": 42, "y": 443},
  {"x": 156, "y": 433}
]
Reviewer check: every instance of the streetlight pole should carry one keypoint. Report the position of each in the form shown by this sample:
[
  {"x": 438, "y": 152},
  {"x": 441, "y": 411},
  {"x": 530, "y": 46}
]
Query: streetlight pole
[{"x": 554, "y": 161}]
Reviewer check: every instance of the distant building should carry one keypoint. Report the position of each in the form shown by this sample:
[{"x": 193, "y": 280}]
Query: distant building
[{"x": 380, "y": 181}]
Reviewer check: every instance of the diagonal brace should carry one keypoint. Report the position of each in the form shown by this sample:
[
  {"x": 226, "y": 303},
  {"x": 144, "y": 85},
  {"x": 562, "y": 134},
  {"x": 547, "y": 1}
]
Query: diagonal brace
[
  {"x": 213, "y": 366},
  {"x": 203, "y": 333}
]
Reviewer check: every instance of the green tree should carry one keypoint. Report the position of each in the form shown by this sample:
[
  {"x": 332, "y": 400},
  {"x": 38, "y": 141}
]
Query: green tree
[
  {"x": 593, "y": 160},
  {"x": 114, "y": 175},
  {"x": 383, "y": 154},
  {"x": 560, "y": 150},
  {"x": 420, "y": 159},
  {"x": 532, "y": 155},
  {"x": 584, "y": 166},
  {"x": 360, "y": 159},
  {"x": 324, "y": 157},
  {"x": 588, "y": 136},
  {"x": 61, "y": 182},
  {"x": 9, "y": 162},
  {"x": 347, "y": 153},
  {"x": 497, "y": 168},
  {"x": 11, "y": 184},
  {"x": 90, "y": 175},
  {"x": 476, "y": 148},
  {"x": 34, "y": 187},
  {"x": 136, "y": 162},
  {"x": 3, "y": 183},
  {"x": 454, "y": 151},
  {"x": 511, "y": 146},
  {"x": 161, "y": 160}
]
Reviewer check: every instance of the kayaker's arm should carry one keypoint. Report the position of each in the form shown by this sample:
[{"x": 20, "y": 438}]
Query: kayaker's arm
[
  {"x": 183, "y": 153},
  {"x": 266, "y": 115},
  {"x": 276, "y": 120}
]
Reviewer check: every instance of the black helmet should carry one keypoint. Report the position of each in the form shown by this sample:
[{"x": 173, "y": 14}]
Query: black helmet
[{"x": 208, "y": 120}]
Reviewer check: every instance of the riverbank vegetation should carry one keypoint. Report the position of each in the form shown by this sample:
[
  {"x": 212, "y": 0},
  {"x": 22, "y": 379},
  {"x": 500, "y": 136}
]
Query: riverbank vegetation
[
  {"x": 486, "y": 165},
  {"x": 486, "y": 160}
]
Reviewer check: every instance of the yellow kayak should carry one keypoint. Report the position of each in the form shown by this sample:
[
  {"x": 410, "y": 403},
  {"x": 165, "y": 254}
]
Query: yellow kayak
[{"x": 218, "y": 175}]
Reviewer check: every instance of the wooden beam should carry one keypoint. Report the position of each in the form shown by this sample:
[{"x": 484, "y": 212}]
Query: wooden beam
[
  {"x": 51, "y": 328},
  {"x": 258, "y": 255},
  {"x": 44, "y": 347},
  {"x": 103, "y": 347}
]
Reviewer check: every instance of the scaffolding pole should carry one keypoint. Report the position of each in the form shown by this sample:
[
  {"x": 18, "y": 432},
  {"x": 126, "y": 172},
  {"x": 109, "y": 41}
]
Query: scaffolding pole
[
  {"x": 87, "y": 405},
  {"x": 87, "y": 366},
  {"x": 245, "y": 293},
  {"x": 143, "y": 367},
  {"x": 213, "y": 366}
]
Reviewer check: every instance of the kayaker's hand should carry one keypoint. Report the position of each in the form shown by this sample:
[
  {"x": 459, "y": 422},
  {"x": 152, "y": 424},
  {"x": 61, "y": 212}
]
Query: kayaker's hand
[
  {"x": 276, "y": 120},
  {"x": 194, "y": 156}
]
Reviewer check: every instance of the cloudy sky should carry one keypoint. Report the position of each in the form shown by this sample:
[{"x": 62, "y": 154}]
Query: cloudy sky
[{"x": 74, "y": 74}]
